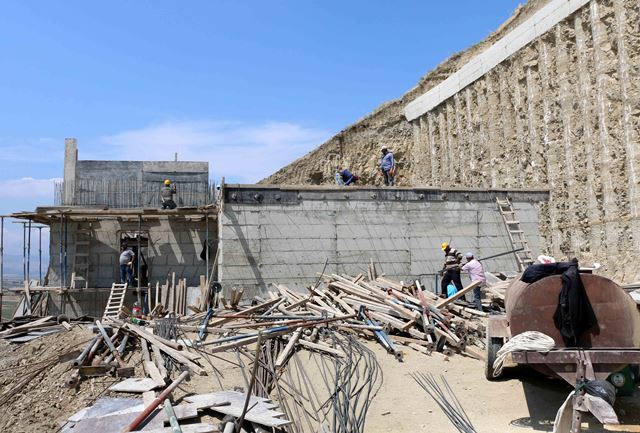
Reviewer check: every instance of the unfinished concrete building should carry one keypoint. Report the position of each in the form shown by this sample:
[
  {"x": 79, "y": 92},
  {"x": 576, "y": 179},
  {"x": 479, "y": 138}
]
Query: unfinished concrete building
[
  {"x": 550, "y": 100},
  {"x": 101, "y": 205}
]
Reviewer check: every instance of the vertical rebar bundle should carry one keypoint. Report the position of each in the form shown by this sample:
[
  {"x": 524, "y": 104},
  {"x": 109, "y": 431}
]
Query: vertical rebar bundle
[{"x": 116, "y": 193}]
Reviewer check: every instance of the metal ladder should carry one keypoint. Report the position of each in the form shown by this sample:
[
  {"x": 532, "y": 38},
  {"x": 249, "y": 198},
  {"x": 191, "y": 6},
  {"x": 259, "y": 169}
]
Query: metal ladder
[
  {"x": 81, "y": 255},
  {"x": 516, "y": 234},
  {"x": 116, "y": 301}
]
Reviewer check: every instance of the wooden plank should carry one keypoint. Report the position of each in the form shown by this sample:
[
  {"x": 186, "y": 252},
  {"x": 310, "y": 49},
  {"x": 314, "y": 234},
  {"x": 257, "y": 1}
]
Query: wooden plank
[
  {"x": 282, "y": 357},
  {"x": 153, "y": 372},
  {"x": 322, "y": 348},
  {"x": 458, "y": 295},
  {"x": 187, "y": 428},
  {"x": 135, "y": 385}
]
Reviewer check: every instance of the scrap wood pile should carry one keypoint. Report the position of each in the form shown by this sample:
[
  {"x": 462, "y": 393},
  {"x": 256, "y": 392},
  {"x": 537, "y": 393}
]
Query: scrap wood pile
[
  {"x": 378, "y": 308},
  {"x": 27, "y": 328}
]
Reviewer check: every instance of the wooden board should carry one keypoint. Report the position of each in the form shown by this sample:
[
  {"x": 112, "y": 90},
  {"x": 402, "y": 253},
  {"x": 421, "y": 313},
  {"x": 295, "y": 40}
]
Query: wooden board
[
  {"x": 135, "y": 384},
  {"x": 262, "y": 413}
]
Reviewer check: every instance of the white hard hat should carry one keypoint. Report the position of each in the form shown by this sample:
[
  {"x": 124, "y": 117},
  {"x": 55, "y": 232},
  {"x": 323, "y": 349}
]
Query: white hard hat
[{"x": 384, "y": 148}]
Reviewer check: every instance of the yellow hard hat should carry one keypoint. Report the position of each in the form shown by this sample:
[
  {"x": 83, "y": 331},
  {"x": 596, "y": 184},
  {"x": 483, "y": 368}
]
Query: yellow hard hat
[
  {"x": 444, "y": 246},
  {"x": 167, "y": 182}
]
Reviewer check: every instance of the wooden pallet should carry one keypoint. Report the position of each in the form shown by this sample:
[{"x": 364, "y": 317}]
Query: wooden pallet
[
  {"x": 115, "y": 302},
  {"x": 516, "y": 234}
]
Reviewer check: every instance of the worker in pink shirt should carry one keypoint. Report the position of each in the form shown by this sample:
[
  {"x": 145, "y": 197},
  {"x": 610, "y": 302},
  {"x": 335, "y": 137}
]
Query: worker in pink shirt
[{"x": 476, "y": 273}]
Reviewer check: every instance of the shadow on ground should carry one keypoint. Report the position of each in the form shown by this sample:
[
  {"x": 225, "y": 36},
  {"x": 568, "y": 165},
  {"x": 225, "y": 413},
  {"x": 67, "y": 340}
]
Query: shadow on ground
[{"x": 545, "y": 395}]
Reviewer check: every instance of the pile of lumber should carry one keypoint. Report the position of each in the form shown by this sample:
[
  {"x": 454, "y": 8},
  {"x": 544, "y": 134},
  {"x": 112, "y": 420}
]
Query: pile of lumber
[
  {"x": 27, "y": 328},
  {"x": 382, "y": 309}
]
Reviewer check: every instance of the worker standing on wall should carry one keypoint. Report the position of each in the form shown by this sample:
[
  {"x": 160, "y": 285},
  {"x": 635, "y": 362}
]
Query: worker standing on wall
[
  {"x": 127, "y": 256},
  {"x": 451, "y": 268},
  {"x": 476, "y": 272},
  {"x": 387, "y": 166},
  {"x": 166, "y": 193}
]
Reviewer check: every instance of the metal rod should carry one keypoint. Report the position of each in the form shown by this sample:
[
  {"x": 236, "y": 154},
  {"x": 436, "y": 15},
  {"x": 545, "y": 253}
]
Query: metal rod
[
  {"x": 40, "y": 282},
  {"x": 206, "y": 247},
  {"x": 1, "y": 263},
  {"x": 66, "y": 230},
  {"x": 29, "y": 252},
  {"x": 251, "y": 384},
  {"x": 60, "y": 250},
  {"x": 155, "y": 403},
  {"x": 138, "y": 259},
  {"x": 501, "y": 254},
  {"x": 24, "y": 251}
]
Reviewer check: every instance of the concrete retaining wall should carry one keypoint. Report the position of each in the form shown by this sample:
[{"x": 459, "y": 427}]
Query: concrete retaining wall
[{"x": 284, "y": 235}]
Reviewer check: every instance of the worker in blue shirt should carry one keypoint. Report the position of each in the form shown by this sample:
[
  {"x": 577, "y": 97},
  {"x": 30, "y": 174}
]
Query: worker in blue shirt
[
  {"x": 345, "y": 177},
  {"x": 387, "y": 166}
]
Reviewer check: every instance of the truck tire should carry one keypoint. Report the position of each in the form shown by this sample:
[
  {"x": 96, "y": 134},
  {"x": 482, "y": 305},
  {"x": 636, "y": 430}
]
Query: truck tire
[{"x": 493, "y": 345}]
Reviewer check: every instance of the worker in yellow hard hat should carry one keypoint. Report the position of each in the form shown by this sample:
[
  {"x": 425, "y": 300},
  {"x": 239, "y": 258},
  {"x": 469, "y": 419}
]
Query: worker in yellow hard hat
[
  {"x": 451, "y": 268},
  {"x": 166, "y": 194}
]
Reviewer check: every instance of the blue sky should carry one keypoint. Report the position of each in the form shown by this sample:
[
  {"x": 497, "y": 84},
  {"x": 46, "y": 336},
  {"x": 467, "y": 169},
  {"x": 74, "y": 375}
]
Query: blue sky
[{"x": 247, "y": 85}]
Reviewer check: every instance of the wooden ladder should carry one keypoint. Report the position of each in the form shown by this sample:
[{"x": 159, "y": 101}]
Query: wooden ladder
[
  {"x": 116, "y": 301},
  {"x": 80, "y": 273},
  {"x": 516, "y": 234}
]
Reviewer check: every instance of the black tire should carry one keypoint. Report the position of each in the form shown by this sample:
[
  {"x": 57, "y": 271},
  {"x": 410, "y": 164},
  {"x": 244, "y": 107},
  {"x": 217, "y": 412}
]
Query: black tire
[{"x": 493, "y": 345}]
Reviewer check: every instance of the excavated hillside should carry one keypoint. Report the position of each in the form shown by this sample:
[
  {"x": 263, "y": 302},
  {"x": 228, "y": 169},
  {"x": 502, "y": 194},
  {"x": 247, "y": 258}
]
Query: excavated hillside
[
  {"x": 562, "y": 113},
  {"x": 358, "y": 145}
]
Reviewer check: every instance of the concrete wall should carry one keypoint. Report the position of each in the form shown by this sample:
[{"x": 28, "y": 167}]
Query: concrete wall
[
  {"x": 278, "y": 235},
  {"x": 175, "y": 246}
]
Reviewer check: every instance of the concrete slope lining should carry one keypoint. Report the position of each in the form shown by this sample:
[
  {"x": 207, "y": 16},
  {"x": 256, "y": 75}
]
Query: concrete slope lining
[{"x": 540, "y": 23}]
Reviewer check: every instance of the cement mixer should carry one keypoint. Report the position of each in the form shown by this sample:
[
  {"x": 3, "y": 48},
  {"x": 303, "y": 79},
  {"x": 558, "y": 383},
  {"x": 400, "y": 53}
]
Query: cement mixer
[{"x": 608, "y": 347}]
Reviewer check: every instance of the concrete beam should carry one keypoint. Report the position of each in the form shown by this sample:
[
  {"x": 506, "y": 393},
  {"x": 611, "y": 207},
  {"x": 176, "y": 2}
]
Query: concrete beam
[{"x": 539, "y": 23}]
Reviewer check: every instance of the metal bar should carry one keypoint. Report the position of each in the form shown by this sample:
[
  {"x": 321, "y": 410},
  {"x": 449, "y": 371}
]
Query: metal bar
[
  {"x": 1, "y": 263},
  {"x": 206, "y": 243},
  {"x": 155, "y": 403},
  {"x": 66, "y": 231},
  {"x": 40, "y": 282},
  {"x": 138, "y": 258},
  {"x": 60, "y": 249},
  {"x": 24, "y": 251},
  {"x": 501, "y": 254},
  {"x": 29, "y": 252},
  {"x": 601, "y": 356}
]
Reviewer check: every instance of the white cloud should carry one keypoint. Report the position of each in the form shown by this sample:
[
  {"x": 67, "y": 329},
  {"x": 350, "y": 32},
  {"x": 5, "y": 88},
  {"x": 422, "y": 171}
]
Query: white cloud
[
  {"x": 29, "y": 190},
  {"x": 237, "y": 150}
]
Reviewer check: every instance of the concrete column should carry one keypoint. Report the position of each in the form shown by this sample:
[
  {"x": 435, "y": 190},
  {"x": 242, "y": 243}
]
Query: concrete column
[{"x": 70, "y": 161}]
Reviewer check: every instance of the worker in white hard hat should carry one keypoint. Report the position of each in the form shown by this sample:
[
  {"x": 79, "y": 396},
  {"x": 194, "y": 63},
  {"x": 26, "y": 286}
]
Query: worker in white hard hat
[
  {"x": 166, "y": 194},
  {"x": 387, "y": 166},
  {"x": 476, "y": 272}
]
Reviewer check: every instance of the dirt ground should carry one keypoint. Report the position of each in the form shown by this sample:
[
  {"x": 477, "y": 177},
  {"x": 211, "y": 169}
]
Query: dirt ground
[{"x": 524, "y": 402}]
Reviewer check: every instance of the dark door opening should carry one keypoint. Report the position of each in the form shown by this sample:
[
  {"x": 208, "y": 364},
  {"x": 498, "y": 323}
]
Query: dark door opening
[{"x": 130, "y": 240}]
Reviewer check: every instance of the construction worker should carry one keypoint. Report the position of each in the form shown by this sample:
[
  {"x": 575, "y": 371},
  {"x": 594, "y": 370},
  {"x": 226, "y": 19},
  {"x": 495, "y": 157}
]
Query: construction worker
[
  {"x": 476, "y": 272},
  {"x": 166, "y": 193},
  {"x": 127, "y": 256},
  {"x": 451, "y": 268},
  {"x": 346, "y": 178},
  {"x": 387, "y": 166}
]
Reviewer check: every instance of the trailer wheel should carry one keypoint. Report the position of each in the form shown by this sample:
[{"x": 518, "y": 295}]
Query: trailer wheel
[{"x": 493, "y": 345}]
